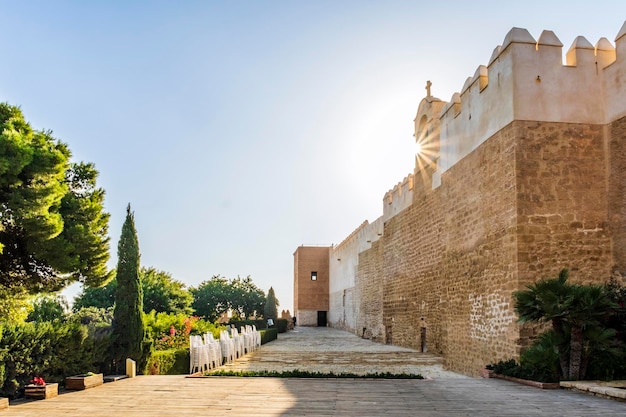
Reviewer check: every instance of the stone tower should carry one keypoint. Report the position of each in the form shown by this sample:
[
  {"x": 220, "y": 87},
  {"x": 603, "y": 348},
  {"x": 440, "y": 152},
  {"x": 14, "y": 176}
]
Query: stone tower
[{"x": 310, "y": 284}]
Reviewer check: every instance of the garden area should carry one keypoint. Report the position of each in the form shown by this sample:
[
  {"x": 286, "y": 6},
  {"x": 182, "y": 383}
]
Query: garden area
[
  {"x": 51, "y": 351},
  {"x": 54, "y": 233},
  {"x": 584, "y": 332}
]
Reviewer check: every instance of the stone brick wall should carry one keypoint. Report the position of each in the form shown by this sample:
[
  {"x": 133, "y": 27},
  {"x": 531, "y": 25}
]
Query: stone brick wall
[
  {"x": 368, "y": 294},
  {"x": 448, "y": 261},
  {"x": 617, "y": 193},
  {"x": 412, "y": 256},
  {"x": 478, "y": 265},
  {"x": 563, "y": 202},
  {"x": 528, "y": 202}
]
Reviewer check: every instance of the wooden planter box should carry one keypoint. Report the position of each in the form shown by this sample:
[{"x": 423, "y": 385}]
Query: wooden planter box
[
  {"x": 78, "y": 382},
  {"x": 4, "y": 403},
  {"x": 41, "y": 392}
]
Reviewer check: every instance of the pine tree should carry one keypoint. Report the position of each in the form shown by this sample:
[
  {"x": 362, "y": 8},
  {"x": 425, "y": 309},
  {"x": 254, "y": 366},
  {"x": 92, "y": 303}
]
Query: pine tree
[
  {"x": 53, "y": 228},
  {"x": 128, "y": 326},
  {"x": 271, "y": 306}
]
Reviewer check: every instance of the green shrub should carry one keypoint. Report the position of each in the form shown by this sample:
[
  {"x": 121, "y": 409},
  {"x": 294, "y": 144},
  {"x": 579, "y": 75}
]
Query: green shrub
[
  {"x": 101, "y": 340},
  {"x": 502, "y": 366},
  {"x": 282, "y": 325},
  {"x": 268, "y": 335},
  {"x": 93, "y": 317},
  {"x": 606, "y": 355},
  {"x": 541, "y": 360},
  {"x": 168, "y": 362},
  {"x": 50, "y": 350},
  {"x": 260, "y": 324},
  {"x": 3, "y": 354},
  {"x": 171, "y": 331}
]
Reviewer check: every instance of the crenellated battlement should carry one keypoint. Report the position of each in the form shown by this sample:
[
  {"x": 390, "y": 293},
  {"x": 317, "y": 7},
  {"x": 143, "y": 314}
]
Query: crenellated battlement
[
  {"x": 351, "y": 237},
  {"x": 398, "y": 198},
  {"x": 526, "y": 79}
]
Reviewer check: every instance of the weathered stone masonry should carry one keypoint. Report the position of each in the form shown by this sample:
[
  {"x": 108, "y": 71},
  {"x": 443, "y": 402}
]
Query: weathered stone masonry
[{"x": 523, "y": 174}]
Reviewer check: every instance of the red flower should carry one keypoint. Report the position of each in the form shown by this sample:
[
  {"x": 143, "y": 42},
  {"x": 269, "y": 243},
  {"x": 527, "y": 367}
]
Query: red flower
[{"x": 38, "y": 381}]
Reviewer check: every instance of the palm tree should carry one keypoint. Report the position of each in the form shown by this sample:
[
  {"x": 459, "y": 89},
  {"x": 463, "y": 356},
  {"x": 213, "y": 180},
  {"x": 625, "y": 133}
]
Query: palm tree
[
  {"x": 572, "y": 309},
  {"x": 588, "y": 305},
  {"x": 544, "y": 302}
]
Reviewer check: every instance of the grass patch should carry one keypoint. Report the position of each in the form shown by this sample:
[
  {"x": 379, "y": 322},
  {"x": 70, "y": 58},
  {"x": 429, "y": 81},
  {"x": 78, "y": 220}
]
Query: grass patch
[{"x": 296, "y": 373}]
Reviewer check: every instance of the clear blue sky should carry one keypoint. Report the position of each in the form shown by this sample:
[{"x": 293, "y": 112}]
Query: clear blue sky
[{"x": 239, "y": 130}]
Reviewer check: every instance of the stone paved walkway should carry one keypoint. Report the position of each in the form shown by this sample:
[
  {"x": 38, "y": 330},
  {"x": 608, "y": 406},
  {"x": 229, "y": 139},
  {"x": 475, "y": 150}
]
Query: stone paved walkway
[
  {"x": 446, "y": 394},
  {"x": 323, "y": 349}
]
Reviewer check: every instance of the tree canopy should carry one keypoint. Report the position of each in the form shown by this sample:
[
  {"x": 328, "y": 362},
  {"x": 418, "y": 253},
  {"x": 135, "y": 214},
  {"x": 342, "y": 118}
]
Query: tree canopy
[
  {"x": 219, "y": 295},
  {"x": 212, "y": 298},
  {"x": 164, "y": 294},
  {"x": 247, "y": 299},
  {"x": 14, "y": 307},
  {"x": 161, "y": 293},
  {"x": 99, "y": 297},
  {"x": 48, "y": 307},
  {"x": 53, "y": 230}
]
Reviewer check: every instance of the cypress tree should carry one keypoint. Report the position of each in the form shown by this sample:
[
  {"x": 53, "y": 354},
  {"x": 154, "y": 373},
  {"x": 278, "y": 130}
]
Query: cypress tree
[
  {"x": 128, "y": 326},
  {"x": 271, "y": 303}
]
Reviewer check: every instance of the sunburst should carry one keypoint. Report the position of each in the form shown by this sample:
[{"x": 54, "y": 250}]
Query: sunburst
[{"x": 426, "y": 154}]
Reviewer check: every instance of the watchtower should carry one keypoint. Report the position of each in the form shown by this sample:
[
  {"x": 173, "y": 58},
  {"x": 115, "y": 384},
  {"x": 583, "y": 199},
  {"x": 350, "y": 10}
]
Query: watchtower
[{"x": 310, "y": 285}]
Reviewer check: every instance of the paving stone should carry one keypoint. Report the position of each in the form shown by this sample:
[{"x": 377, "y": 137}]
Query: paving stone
[{"x": 445, "y": 394}]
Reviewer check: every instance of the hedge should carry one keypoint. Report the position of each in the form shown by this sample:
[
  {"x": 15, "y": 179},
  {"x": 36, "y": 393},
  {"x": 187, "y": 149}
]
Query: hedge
[
  {"x": 49, "y": 350},
  {"x": 268, "y": 335},
  {"x": 281, "y": 324},
  {"x": 168, "y": 362},
  {"x": 260, "y": 324}
]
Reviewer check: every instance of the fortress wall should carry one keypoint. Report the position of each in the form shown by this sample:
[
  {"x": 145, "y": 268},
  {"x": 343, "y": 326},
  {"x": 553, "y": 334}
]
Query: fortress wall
[
  {"x": 344, "y": 260},
  {"x": 412, "y": 271},
  {"x": 527, "y": 80},
  {"x": 546, "y": 90},
  {"x": 562, "y": 202},
  {"x": 617, "y": 193},
  {"x": 479, "y": 256},
  {"x": 399, "y": 198},
  {"x": 615, "y": 82},
  {"x": 343, "y": 265},
  {"x": 528, "y": 202},
  {"x": 529, "y": 180},
  {"x": 342, "y": 312},
  {"x": 369, "y": 293}
]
